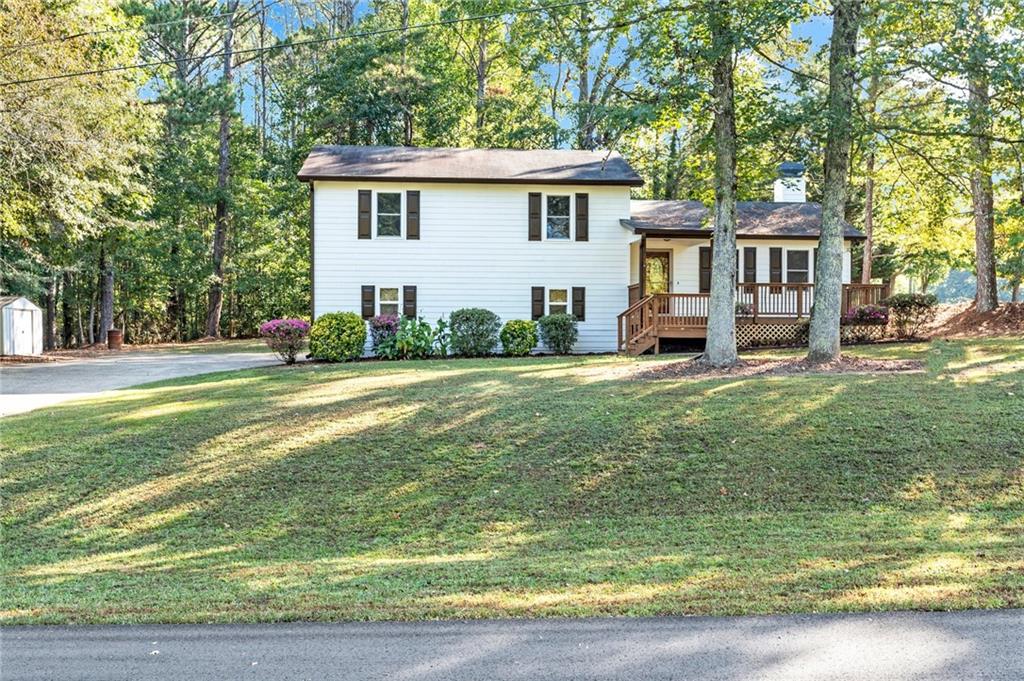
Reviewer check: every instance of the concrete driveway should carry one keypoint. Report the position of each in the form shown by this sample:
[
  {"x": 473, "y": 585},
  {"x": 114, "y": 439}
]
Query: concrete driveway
[
  {"x": 24, "y": 387},
  {"x": 911, "y": 646}
]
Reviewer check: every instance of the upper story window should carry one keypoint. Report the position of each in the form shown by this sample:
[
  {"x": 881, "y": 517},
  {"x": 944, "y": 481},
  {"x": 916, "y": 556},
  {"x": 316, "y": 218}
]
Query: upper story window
[
  {"x": 558, "y": 217},
  {"x": 797, "y": 266},
  {"x": 389, "y": 214}
]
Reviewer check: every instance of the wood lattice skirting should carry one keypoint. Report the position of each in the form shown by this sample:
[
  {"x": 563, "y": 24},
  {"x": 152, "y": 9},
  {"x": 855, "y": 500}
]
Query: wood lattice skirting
[{"x": 791, "y": 333}]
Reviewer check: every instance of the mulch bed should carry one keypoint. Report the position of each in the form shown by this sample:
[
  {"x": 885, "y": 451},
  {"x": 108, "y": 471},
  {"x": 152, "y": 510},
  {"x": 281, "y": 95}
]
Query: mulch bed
[
  {"x": 846, "y": 364},
  {"x": 962, "y": 320}
]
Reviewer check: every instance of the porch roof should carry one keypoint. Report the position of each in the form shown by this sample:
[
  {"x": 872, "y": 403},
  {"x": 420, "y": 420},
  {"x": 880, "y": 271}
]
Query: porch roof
[{"x": 754, "y": 219}]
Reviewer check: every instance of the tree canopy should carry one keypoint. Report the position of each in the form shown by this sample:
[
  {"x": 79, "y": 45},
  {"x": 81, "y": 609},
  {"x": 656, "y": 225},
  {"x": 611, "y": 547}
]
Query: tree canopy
[{"x": 149, "y": 149}]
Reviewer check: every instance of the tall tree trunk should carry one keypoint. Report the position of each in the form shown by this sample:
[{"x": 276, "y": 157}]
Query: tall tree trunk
[
  {"x": 50, "y": 305},
  {"x": 220, "y": 229},
  {"x": 869, "y": 184},
  {"x": 1015, "y": 292},
  {"x": 828, "y": 270},
  {"x": 481, "y": 82},
  {"x": 406, "y": 108},
  {"x": 106, "y": 295},
  {"x": 585, "y": 133},
  {"x": 263, "y": 80},
  {"x": 980, "y": 118},
  {"x": 67, "y": 322},
  {"x": 720, "y": 347}
]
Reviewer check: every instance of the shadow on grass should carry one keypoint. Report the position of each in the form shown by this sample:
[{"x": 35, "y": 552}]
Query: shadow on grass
[{"x": 553, "y": 486}]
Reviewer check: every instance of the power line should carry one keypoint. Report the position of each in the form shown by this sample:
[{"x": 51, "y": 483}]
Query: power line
[
  {"x": 144, "y": 27},
  {"x": 300, "y": 43}
]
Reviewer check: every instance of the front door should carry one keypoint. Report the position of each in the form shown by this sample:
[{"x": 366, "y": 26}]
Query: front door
[{"x": 658, "y": 271}]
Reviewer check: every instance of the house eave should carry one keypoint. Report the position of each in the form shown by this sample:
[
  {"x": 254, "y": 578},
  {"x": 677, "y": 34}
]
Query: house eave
[{"x": 471, "y": 180}]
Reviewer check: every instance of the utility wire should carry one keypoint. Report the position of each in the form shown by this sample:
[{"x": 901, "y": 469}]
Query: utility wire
[
  {"x": 144, "y": 27},
  {"x": 300, "y": 43}
]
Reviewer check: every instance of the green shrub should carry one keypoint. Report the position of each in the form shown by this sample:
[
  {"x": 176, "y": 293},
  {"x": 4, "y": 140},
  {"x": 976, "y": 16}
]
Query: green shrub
[
  {"x": 558, "y": 332},
  {"x": 337, "y": 336},
  {"x": 518, "y": 337},
  {"x": 442, "y": 338},
  {"x": 414, "y": 339},
  {"x": 474, "y": 331},
  {"x": 910, "y": 311}
]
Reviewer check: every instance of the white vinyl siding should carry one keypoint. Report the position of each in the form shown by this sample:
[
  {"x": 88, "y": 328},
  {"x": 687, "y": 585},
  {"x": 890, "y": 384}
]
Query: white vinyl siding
[{"x": 474, "y": 252}]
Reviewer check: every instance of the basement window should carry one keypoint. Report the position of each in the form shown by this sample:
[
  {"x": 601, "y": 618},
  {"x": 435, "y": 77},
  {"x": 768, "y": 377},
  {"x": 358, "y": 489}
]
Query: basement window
[
  {"x": 558, "y": 301},
  {"x": 387, "y": 301}
]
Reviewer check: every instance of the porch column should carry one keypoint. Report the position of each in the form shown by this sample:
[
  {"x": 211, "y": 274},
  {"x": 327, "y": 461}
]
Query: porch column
[{"x": 643, "y": 266}]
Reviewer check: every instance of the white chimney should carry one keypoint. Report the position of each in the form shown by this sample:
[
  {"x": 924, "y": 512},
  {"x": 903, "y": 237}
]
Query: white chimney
[{"x": 791, "y": 186}]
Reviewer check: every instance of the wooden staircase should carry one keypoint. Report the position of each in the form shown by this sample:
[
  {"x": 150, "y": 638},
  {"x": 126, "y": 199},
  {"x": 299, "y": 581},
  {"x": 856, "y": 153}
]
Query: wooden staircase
[{"x": 636, "y": 327}]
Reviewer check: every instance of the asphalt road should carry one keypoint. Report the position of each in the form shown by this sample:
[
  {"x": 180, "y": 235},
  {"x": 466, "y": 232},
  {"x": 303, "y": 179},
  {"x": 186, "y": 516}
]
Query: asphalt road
[
  {"x": 24, "y": 387},
  {"x": 895, "y": 646}
]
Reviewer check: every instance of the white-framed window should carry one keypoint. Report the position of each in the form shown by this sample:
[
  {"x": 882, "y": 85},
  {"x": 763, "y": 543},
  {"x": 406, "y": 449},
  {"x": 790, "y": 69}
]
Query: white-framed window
[
  {"x": 388, "y": 214},
  {"x": 387, "y": 300},
  {"x": 558, "y": 217},
  {"x": 558, "y": 301},
  {"x": 798, "y": 266}
]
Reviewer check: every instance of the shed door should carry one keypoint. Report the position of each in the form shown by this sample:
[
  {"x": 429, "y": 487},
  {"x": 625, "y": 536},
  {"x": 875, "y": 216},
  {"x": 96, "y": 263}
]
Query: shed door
[{"x": 21, "y": 330}]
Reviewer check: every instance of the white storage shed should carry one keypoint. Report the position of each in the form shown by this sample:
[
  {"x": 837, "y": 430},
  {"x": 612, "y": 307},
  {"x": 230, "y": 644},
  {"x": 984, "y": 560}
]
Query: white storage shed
[{"x": 21, "y": 326}]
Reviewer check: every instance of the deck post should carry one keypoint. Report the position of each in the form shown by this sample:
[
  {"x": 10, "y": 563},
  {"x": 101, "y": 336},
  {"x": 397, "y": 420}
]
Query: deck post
[
  {"x": 643, "y": 266},
  {"x": 800, "y": 301},
  {"x": 757, "y": 296}
]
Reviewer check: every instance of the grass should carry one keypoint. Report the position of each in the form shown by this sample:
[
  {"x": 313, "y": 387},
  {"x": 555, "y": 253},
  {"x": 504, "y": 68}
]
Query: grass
[{"x": 522, "y": 488}]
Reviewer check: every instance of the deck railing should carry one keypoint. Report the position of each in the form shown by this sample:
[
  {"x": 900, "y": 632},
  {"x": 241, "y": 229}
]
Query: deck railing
[{"x": 754, "y": 302}]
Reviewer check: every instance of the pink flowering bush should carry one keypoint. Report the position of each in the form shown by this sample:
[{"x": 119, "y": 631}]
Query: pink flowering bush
[
  {"x": 383, "y": 329},
  {"x": 867, "y": 314},
  {"x": 285, "y": 337}
]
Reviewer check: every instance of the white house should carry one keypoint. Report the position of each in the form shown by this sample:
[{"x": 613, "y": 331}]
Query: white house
[{"x": 425, "y": 231}]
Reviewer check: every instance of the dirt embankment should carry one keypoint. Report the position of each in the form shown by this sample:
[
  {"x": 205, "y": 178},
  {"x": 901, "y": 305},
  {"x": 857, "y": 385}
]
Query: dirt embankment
[{"x": 962, "y": 320}]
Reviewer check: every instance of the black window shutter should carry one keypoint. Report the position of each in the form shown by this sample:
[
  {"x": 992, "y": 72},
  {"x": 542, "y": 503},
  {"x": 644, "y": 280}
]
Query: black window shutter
[
  {"x": 369, "y": 296},
  {"x": 536, "y": 302},
  {"x": 737, "y": 265},
  {"x": 412, "y": 215},
  {"x": 775, "y": 265},
  {"x": 749, "y": 264},
  {"x": 579, "y": 303},
  {"x": 365, "y": 199},
  {"x": 535, "y": 216},
  {"x": 812, "y": 266},
  {"x": 409, "y": 301},
  {"x": 582, "y": 217},
  {"x": 705, "y": 269}
]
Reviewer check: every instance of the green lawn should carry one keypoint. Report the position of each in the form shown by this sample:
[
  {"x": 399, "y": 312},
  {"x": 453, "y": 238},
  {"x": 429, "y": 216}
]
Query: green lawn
[{"x": 531, "y": 487}]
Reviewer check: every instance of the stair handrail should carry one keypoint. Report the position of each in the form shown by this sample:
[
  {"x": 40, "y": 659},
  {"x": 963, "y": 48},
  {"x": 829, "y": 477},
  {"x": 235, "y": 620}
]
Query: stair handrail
[{"x": 624, "y": 336}]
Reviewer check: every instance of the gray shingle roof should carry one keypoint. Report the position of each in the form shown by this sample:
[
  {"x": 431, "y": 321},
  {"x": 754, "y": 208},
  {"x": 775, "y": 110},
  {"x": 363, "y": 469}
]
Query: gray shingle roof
[
  {"x": 500, "y": 166},
  {"x": 753, "y": 219}
]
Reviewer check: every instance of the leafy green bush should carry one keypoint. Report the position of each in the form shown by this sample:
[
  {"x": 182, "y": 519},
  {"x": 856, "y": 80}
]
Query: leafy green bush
[
  {"x": 337, "y": 336},
  {"x": 558, "y": 332},
  {"x": 474, "y": 331},
  {"x": 413, "y": 340},
  {"x": 442, "y": 338},
  {"x": 910, "y": 311},
  {"x": 518, "y": 337}
]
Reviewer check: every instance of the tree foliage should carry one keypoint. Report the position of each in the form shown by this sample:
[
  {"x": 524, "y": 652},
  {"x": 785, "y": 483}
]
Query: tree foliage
[{"x": 111, "y": 189}]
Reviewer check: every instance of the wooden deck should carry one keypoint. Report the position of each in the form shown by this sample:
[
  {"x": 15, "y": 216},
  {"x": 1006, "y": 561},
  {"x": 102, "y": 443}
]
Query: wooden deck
[{"x": 685, "y": 315}]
